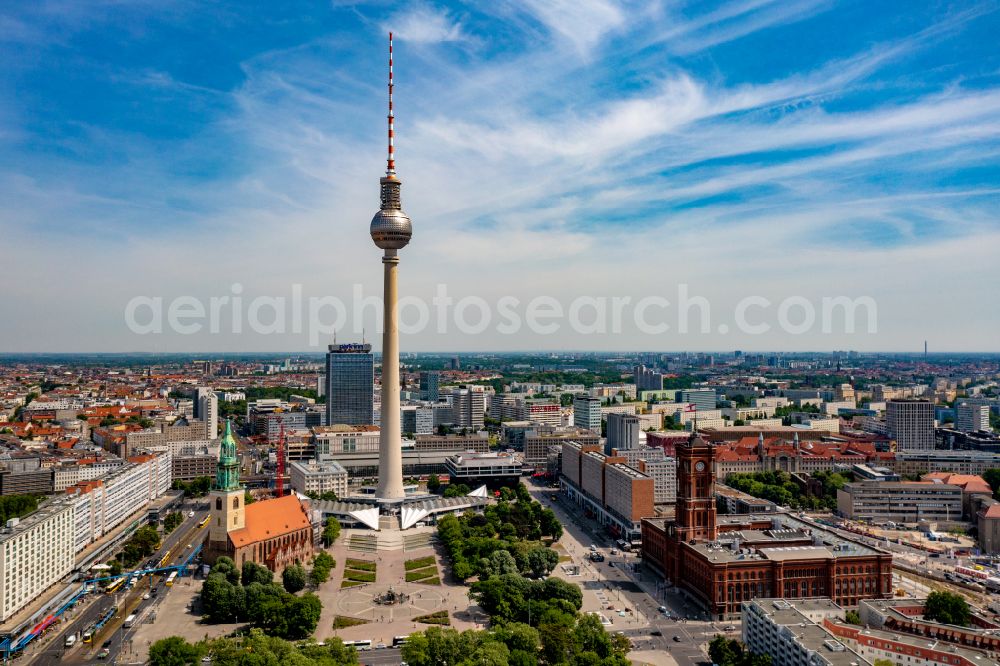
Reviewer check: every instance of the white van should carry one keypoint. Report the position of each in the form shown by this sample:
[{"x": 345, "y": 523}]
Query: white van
[{"x": 70, "y": 641}]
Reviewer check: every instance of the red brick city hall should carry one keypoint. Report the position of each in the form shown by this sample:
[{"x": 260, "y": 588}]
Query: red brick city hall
[{"x": 720, "y": 561}]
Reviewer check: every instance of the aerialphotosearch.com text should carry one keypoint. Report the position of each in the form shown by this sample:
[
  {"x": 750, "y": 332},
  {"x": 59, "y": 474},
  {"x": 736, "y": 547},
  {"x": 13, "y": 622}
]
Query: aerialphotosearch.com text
[{"x": 321, "y": 316}]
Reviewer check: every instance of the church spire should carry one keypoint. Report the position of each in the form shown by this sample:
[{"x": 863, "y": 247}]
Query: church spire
[{"x": 227, "y": 471}]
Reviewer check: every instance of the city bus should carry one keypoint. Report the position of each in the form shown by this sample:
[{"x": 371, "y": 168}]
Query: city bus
[
  {"x": 166, "y": 558},
  {"x": 398, "y": 641},
  {"x": 204, "y": 522},
  {"x": 171, "y": 578},
  {"x": 88, "y": 636},
  {"x": 359, "y": 645},
  {"x": 130, "y": 621},
  {"x": 115, "y": 586}
]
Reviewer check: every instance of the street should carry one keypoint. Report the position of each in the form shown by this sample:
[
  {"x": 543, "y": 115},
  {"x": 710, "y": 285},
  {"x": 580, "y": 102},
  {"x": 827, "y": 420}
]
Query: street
[
  {"x": 51, "y": 650},
  {"x": 617, "y": 586}
]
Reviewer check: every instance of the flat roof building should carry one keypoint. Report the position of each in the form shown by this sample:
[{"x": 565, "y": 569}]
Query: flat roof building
[{"x": 900, "y": 501}]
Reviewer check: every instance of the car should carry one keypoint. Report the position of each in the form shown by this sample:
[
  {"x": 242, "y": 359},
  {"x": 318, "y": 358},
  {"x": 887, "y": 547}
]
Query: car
[
  {"x": 107, "y": 643},
  {"x": 145, "y": 597},
  {"x": 104, "y": 654},
  {"x": 206, "y": 659},
  {"x": 381, "y": 646},
  {"x": 731, "y": 627},
  {"x": 677, "y": 639},
  {"x": 662, "y": 609},
  {"x": 656, "y": 632},
  {"x": 189, "y": 545}
]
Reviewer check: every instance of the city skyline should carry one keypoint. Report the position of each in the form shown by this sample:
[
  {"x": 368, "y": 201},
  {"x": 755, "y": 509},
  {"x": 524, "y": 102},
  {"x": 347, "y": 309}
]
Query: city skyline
[{"x": 750, "y": 150}]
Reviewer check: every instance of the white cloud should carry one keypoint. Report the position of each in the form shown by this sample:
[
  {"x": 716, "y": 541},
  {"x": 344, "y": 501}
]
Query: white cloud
[
  {"x": 424, "y": 24},
  {"x": 529, "y": 174},
  {"x": 581, "y": 22}
]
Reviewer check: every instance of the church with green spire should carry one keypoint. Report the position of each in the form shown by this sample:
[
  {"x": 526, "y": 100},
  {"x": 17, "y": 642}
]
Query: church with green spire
[
  {"x": 272, "y": 532},
  {"x": 227, "y": 470},
  {"x": 227, "y": 503}
]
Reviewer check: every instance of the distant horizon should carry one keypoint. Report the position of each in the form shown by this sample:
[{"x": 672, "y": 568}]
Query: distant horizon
[{"x": 527, "y": 352}]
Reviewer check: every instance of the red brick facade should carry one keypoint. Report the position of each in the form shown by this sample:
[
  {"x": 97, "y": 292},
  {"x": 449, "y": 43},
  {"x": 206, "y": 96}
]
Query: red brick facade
[{"x": 721, "y": 579}]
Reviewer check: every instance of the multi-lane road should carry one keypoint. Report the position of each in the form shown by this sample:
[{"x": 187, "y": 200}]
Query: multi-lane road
[
  {"x": 140, "y": 600},
  {"x": 619, "y": 587}
]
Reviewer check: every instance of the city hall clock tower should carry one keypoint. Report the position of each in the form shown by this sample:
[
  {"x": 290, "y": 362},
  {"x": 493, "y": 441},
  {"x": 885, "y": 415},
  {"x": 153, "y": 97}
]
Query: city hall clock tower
[{"x": 696, "y": 511}]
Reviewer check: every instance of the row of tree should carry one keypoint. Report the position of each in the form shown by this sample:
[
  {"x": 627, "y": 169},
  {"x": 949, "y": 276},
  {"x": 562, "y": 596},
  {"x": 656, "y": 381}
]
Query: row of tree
[
  {"x": 230, "y": 594},
  {"x": 254, "y": 649},
  {"x": 197, "y": 487},
  {"x": 778, "y": 487},
  {"x": 140, "y": 545},
  {"x": 579, "y": 640}
]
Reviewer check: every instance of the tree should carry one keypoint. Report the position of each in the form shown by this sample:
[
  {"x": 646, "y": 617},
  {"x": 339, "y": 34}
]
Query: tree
[
  {"x": 331, "y": 530},
  {"x": 433, "y": 483},
  {"x": 255, "y": 573},
  {"x": 725, "y": 652},
  {"x": 302, "y": 615},
  {"x": 882, "y": 662},
  {"x": 541, "y": 561},
  {"x": 322, "y": 566},
  {"x": 457, "y": 490},
  {"x": 549, "y": 524},
  {"x": 852, "y": 617},
  {"x": 173, "y": 651},
  {"x": 293, "y": 578},
  {"x": 947, "y": 608},
  {"x": 992, "y": 477},
  {"x": 499, "y": 563}
]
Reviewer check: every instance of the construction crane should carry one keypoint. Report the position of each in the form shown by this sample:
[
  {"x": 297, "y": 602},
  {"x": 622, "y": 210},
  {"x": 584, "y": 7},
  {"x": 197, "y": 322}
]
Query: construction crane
[{"x": 279, "y": 482}]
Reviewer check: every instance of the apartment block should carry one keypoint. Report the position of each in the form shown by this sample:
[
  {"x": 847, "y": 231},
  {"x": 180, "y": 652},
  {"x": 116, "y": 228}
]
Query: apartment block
[
  {"x": 793, "y": 634},
  {"x": 35, "y": 552},
  {"x": 911, "y": 424},
  {"x": 617, "y": 494}
]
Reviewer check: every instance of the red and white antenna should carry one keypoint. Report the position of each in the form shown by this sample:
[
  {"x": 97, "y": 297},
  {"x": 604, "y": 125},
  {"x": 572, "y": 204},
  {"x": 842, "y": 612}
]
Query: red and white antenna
[{"x": 391, "y": 166}]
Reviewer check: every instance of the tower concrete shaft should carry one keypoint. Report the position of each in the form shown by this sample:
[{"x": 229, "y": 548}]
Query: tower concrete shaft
[{"x": 390, "y": 453}]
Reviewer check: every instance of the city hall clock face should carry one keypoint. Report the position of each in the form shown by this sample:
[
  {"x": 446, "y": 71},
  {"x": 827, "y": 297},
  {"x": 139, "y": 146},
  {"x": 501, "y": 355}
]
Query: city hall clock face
[{"x": 700, "y": 466}]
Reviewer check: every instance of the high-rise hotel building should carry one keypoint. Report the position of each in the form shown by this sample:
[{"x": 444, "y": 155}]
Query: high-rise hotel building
[{"x": 350, "y": 385}]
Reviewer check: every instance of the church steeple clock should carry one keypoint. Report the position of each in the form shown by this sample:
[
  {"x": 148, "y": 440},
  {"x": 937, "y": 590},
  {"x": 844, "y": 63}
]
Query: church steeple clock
[{"x": 696, "y": 512}]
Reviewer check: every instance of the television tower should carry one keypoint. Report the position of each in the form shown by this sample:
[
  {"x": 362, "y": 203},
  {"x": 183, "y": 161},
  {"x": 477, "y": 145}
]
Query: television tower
[{"x": 391, "y": 231}]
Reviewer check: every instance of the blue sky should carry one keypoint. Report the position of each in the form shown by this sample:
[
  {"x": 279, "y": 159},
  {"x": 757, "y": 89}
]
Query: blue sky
[{"x": 795, "y": 148}]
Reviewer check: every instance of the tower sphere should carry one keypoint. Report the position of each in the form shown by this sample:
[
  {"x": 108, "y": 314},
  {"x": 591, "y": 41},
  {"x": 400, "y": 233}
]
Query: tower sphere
[{"x": 391, "y": 228}]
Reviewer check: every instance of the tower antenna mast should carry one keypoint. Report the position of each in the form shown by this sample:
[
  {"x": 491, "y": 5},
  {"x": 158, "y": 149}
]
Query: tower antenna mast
[{"x": 391, "y": 160}]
